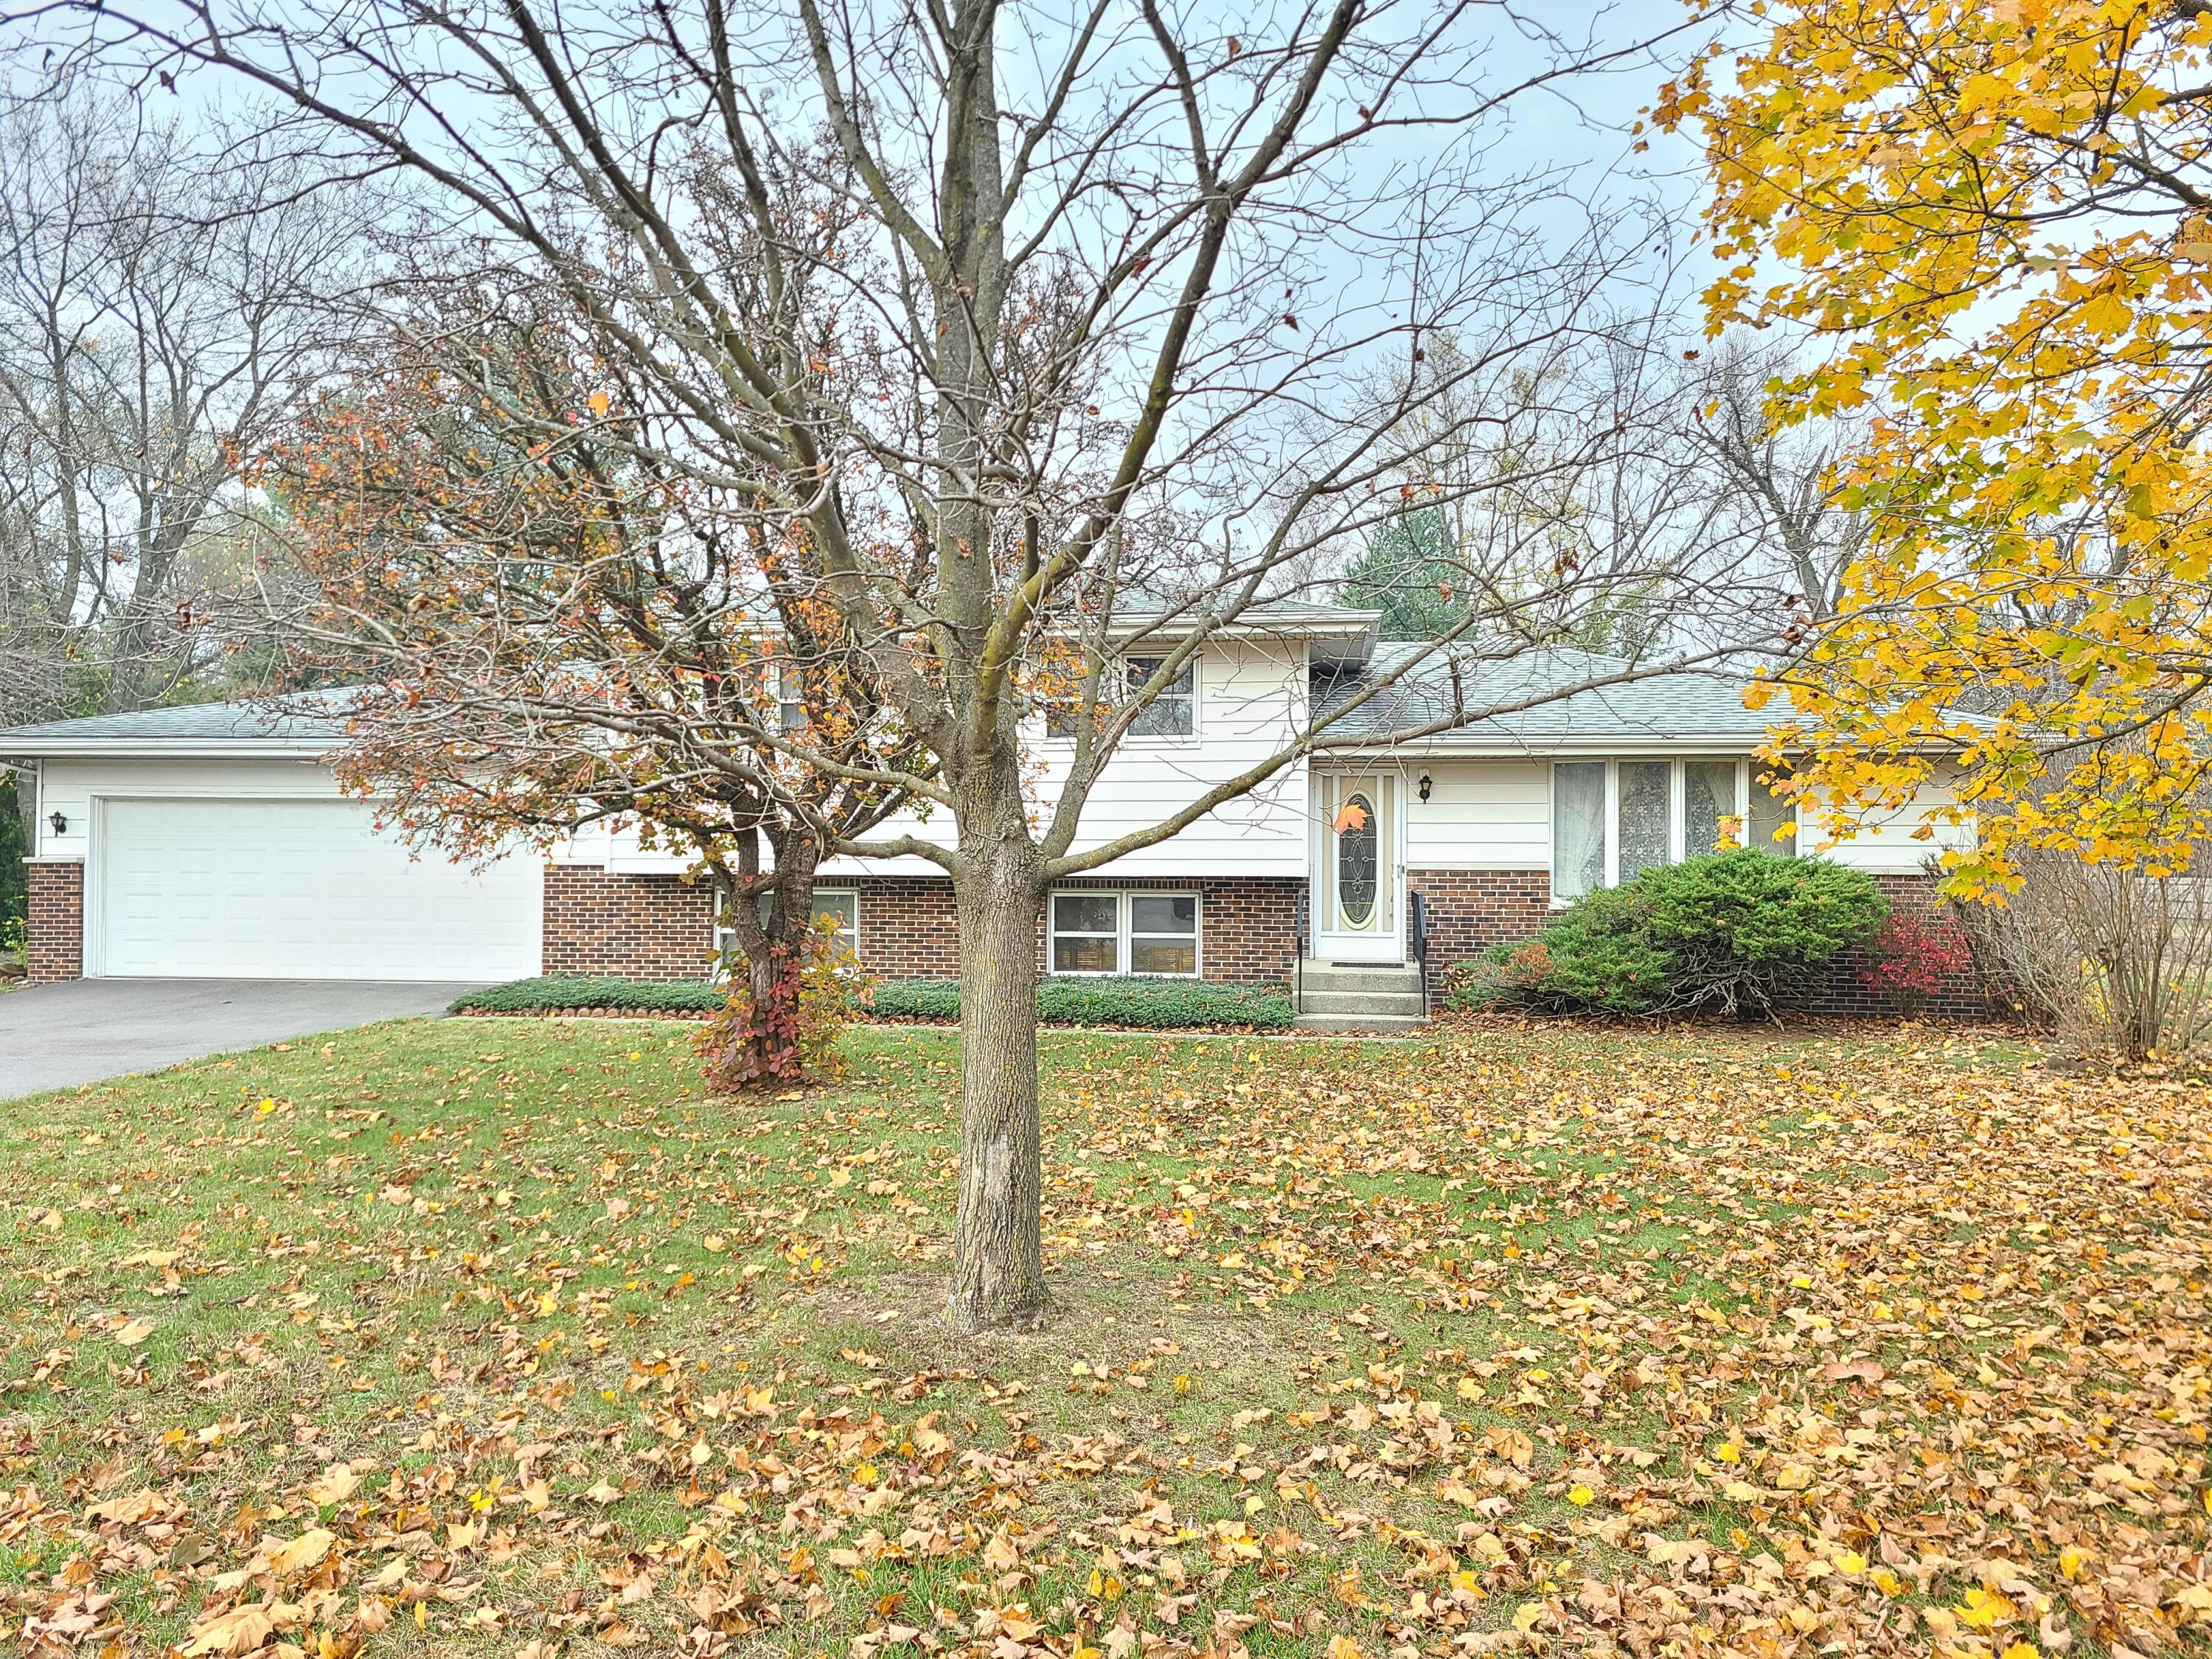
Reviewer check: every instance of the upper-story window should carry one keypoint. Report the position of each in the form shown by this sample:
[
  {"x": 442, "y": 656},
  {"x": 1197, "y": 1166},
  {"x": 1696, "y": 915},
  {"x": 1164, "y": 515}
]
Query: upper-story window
[
  {"x": 1612, "y": 820},
  {"x": 1174, "y": 713},
  {"x": 791, "y": 698}
]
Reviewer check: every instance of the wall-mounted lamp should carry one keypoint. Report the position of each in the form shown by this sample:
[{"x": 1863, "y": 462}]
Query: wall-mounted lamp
[
  {"x": 60, "y": 824},
  {"x": 1424, "y": 785}
]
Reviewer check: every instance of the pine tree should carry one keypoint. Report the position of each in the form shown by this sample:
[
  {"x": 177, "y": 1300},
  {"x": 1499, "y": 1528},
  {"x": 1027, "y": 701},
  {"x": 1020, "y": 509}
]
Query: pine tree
[{"x": 1408, "y": 574}]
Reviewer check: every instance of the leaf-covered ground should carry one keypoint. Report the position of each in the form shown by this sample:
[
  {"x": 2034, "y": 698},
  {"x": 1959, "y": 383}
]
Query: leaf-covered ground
[{"x": 490, "y": 1336}]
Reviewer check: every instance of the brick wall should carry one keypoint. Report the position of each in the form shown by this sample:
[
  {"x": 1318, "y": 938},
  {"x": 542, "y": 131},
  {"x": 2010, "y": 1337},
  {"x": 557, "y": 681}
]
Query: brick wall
[
  {"x": 1248, "y": 926},
  {"x": 659, "y": 927},
  {"x": 646, "y": 927},
  {"x": 56, "y": 923},
  {"x": 1470, "y": 911},
  {"x": 1963, "y": 997},
  {"x": 909, "y": 929}
]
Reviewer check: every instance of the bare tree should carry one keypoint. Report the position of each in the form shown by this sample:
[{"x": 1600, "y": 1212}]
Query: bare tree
[
  {"x": 2116, "y": 960},
  {"x": 1041, "y": 338},
  {"x": 1782, "y": 475},
  {"x": 157, "y": 306}
]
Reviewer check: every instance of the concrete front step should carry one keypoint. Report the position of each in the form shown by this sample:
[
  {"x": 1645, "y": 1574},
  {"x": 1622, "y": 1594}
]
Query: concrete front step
[
  {"x": 1348, "y": 1003},
  {"x": 1382, "y": 1024},
  {"x": 1381, "y": 976}
]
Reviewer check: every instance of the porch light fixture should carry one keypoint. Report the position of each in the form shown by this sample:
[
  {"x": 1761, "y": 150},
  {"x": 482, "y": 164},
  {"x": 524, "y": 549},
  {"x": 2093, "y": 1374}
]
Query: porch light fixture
[
  {"x": 60, "y": 824},
  {"x": 1424, "y": 786}
]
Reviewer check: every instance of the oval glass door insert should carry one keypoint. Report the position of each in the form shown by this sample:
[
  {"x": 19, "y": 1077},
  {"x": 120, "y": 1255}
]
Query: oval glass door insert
[{"x": 1357, "y": 847}]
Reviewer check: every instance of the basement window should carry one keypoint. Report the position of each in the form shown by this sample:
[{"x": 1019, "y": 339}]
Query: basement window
[
  {"x": 842, "y": 903},
  {"x": 1104, "y": 932}
]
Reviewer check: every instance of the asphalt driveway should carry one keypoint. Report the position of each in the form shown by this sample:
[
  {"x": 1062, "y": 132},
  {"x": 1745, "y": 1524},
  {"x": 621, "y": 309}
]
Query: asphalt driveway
[{"x": 52, "y": 1036}]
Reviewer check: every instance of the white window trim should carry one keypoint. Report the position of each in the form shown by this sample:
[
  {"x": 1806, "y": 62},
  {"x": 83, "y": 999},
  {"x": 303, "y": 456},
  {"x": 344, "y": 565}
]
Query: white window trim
[
  {"x": 1122, "y": 935},
  {"x": 1129, "y": 934},
  {"x": 1171, "y": 739},
  {"x": 1052, "y": 933},
  {"x": 1677, "y": 808},
  {"x": 791, "y": 712},
  {"x": 1115, "y": 693}
]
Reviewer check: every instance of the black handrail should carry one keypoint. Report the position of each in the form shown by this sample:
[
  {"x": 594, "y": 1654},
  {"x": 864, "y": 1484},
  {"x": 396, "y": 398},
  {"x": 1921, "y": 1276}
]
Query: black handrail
[
  {"x": 1298, "y": 967},
  {"x": 1417, "y": 924}
]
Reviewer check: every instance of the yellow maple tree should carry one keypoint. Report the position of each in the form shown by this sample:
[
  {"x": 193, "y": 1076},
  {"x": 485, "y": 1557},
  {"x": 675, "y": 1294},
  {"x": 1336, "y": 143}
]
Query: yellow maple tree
[{"x": 1995, "y": 221}]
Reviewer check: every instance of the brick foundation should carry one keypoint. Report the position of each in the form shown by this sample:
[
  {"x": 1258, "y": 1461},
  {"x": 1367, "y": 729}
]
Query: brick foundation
[
  {"x": 659, "y": 927},
  {"x": 1963, "y": 997},
  {"x": 1248, "y": 926},
  {"x": 1471, "y": 910},
  {"x": 600, "y": 922},
  {"x": 55, "y": 924},
  {"x": 908, "y": 928},
  {"x": 622, "y": 926}
]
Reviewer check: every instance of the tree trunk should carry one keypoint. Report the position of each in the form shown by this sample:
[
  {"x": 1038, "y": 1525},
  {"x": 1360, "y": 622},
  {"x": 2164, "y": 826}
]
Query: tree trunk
[
  {"x": 772, "y": 971},
  {"x": 773, "y": 952},
  {"x": 998, "y": 1261}
]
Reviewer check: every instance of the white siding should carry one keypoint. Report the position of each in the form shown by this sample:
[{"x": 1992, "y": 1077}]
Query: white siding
[
  {"x": 1885, "y": 844},
  {"x": 1480, "y": 815},
  {"x": 68, "y": 787},
  {"x": 1251, "y": 694},
  {"x": 1497, "y": 815},
  {"x": 618, "y": 850}
]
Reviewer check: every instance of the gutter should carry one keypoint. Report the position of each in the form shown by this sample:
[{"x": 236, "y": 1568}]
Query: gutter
[{"x": 160, "y": 749}]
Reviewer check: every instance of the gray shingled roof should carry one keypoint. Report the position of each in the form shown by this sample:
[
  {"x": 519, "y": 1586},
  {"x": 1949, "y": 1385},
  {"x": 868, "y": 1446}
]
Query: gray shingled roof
[
  {"x": 1685, "y": 704},
  {"x": 308, "y": 717}
]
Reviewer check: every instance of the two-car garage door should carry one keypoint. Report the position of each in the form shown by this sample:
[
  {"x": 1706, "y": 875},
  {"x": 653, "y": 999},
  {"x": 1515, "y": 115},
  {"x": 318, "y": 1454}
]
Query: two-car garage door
[{"x": 299, "y": 890}]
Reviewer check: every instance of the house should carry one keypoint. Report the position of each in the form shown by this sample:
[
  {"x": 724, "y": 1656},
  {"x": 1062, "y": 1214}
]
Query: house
[{"x": 214, "y": 842}]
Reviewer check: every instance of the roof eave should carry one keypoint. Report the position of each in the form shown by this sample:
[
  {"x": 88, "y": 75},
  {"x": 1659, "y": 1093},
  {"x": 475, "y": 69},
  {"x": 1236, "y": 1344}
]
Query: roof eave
[
  {"x": 1349, "y": 625},
  {"x": 166, "y": 748}
]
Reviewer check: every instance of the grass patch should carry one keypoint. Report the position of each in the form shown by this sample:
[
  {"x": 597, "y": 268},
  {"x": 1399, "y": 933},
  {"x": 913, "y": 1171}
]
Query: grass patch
[{"x": 498, "y": 1333}]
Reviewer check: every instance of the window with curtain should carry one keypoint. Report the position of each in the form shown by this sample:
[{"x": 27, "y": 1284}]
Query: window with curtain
[
  {"x": 1773, "y": 818},
  {"x": 1612, "y": 820},
  {"x": 1646, "y": 815},
  {"x": 1709, "y": 806},
  {"x": 1578, "y": 828}
]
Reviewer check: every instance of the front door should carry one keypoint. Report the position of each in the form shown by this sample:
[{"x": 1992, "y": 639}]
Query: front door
[{"x": 1356, "y": 886}]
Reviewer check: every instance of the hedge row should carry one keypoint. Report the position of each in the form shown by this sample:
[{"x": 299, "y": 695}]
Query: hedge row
[
  {"x": 561, "y": 991},
  {"x": 1155, "y": 1004}
]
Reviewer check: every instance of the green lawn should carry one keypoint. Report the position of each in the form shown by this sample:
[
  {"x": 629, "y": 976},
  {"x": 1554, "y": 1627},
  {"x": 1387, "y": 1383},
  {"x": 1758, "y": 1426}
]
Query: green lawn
[{"x": 495, "y": 1335}]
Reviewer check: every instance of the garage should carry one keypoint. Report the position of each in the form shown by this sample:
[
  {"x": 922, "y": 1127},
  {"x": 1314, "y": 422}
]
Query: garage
[{"x": 298, "y": 889}]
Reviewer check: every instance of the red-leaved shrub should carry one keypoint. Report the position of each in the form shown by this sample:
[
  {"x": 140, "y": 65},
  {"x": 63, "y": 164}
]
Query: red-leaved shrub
[
  {"x": 817, "y": 988},
  {"x": 1911, "y": 957}
]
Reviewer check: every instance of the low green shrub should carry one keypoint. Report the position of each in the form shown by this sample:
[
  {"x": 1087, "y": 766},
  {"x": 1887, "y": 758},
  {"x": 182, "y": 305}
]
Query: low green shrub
[
  {"x": 1121, "y": 999},
  {"x": 1164, "y": 1003},
  {"x": 1739, "y": 933},
  {"x": 557, "y": 991},
  {"x": 1157, "y": 1003},
  {"x": 917, "y": 999}
]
